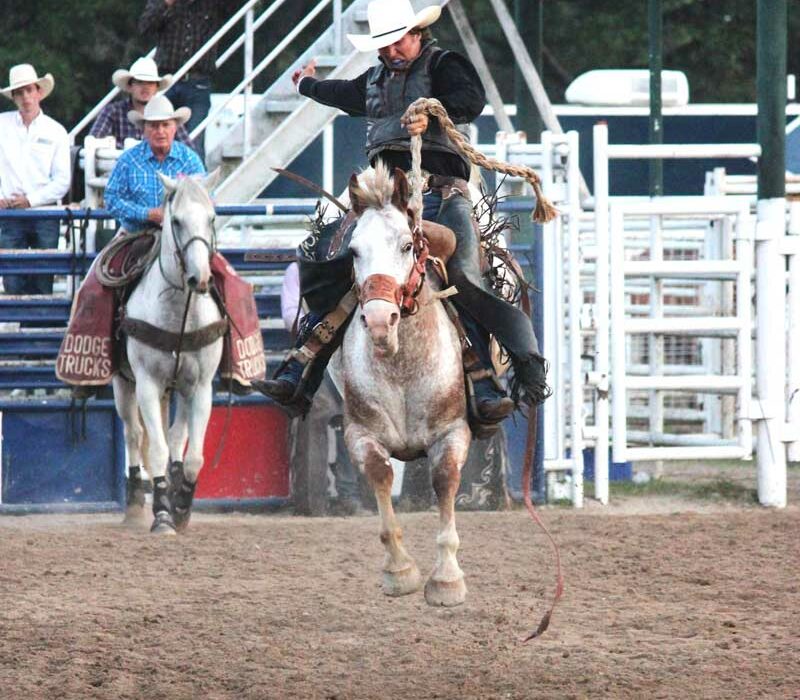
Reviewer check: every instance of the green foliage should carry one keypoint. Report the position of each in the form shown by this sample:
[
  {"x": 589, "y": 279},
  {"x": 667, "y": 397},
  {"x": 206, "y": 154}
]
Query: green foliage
[{"x": 713, "y": 41}]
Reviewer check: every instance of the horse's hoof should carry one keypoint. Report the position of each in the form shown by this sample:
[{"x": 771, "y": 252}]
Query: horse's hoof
[
  {"x": 403, "y": 582},
  {"x": 163, "y": 524},
  {"x": 181, "y": 519},
  {"x": 135, "y": 517},
  {"x": 445, "y": 593},
  {"x": 182, "y": 504},
  {"x": 135, "y": 503}
]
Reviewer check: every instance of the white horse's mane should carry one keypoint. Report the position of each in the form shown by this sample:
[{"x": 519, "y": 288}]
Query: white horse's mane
[{"x": 375, "y": 186}]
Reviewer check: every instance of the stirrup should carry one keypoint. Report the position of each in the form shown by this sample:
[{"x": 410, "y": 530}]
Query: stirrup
[{"x": 481, "y": 426}]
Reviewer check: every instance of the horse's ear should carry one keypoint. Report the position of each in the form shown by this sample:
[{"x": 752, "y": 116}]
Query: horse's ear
[
  {"x": 356, "y": 200},
  {"x": 401, "y": 193},
  {"x": 213, "y": 179},
  {"x": 170, "y": 185}
]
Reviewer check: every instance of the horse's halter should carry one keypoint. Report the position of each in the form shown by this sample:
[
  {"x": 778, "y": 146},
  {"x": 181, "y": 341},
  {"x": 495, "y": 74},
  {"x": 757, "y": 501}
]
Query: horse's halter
[
  {"x": 386, "y": 288},
  {"x": 180, "y": 250}
]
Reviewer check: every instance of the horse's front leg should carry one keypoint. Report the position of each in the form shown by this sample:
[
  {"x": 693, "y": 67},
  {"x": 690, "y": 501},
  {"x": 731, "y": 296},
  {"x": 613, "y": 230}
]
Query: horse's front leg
[
  {"x": 400, "y": 573},
  {"x": 148, "y": 396},
  {"x": 176, "y": 441},
  {"x": 196, "y": 412},
  {"x": 446, "y": 584}
]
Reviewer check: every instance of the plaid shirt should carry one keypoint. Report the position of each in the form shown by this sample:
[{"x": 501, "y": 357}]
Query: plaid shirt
[
  {"x": 134, "y": 188},
  {"x": 181, "y": 29},
  {"x": 113, "y": 121}
]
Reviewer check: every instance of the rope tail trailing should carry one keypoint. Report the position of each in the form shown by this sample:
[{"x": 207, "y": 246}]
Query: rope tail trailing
[
  {"x": 527, "y": 470},
  {"x": 544, "y": 211}
]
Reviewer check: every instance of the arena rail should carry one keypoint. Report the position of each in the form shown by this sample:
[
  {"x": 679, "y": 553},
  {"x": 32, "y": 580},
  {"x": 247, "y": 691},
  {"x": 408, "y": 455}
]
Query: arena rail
[
  {"x": 771, "y": 244},
  {"x": 81, "y": 464}
]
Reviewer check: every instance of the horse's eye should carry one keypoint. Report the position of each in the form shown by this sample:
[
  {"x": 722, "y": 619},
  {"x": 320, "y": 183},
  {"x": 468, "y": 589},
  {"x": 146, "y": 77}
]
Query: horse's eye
[
  {"x": 407, "y": 247},
  {"x": 354, "y": 252}
]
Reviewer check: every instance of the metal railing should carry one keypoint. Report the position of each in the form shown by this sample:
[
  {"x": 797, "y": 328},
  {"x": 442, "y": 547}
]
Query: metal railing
[{"x": 250, "y": 73}]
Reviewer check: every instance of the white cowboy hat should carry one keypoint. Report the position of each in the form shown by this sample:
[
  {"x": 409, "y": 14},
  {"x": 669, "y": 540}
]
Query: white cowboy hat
[
  {"x": 159, "y": 109},
  {"x": 25, "y": 74},
  {"x": 143, "y": 69},
  {"x": 390, "y": 20}
]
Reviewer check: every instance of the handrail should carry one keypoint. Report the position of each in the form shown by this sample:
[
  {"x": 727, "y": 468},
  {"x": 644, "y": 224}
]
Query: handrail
[
  {"x": 256, "y": 25},
  {"x": 261, "y": 66},
  {"x": 205, "y": 48},
  {"x": 245, "y": 38}
]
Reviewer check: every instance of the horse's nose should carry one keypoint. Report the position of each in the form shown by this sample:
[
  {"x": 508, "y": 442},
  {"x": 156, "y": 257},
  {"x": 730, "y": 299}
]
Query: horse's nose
[
  {"x": 364, "y": 320},
  {"x": 393, "y": 319},
  {"x": 201, "y": 287}
]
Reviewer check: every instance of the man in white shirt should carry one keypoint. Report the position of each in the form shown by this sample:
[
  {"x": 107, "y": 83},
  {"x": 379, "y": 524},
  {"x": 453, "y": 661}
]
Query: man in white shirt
[{"x": 34, "y": 171}]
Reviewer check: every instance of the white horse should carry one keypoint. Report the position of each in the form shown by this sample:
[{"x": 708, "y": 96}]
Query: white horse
[
  {"x": 403, "y": 382},
  {"x": 174, "y": 343}
]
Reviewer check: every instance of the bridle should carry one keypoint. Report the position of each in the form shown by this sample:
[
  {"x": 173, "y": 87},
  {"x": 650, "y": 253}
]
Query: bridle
[
  {"x": 386, "y": 287},
  {"x": 180, "y": 250}
]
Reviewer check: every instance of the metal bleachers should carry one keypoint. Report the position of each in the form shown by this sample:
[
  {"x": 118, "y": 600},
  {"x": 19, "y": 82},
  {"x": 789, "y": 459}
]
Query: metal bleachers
[{"x": 32, "y": 327}]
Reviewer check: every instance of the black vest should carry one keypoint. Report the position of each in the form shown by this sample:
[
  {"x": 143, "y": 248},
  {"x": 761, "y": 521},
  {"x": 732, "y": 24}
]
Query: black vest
[{"x": 389, "y": 93}]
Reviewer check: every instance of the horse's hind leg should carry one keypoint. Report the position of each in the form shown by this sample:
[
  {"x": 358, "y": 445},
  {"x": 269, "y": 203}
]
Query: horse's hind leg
[
  {"x": 128, "y": 411},
  {"x": 446, "y": 584},
  {"x": 400, "y": 573}
]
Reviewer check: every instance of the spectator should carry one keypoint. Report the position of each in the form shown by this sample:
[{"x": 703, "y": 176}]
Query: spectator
[
  {"x": 180, "y": 28},
  {"x": 141, "y": 82},
  {"x": 134, "y": 192},
  {"x": 34, "y": 171}
]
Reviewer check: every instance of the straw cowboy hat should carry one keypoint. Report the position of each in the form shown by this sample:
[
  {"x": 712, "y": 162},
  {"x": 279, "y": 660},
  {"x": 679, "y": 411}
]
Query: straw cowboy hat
[
  {"x": 25, "y": 74},
  {"x": 159, "y": 109},
  {"x": 143, "y": 69},
  {"x": 390, "y": 20}
]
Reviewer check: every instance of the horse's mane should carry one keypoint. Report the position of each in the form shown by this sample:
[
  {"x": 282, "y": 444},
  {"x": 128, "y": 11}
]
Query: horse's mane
[{"x": 375, "y": 187}]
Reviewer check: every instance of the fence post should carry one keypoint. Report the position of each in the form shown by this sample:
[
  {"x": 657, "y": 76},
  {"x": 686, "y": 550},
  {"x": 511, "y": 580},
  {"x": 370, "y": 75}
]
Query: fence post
[{"x": 600, "y": 135}]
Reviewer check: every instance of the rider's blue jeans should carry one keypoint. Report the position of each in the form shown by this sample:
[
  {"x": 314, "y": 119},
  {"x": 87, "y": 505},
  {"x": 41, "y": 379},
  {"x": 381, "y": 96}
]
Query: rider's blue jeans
[{"x": 196, "y": 95}]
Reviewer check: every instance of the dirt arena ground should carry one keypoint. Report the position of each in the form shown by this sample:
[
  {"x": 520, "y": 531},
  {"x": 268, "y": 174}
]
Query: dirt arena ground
[{"x": 665, "y": 598}]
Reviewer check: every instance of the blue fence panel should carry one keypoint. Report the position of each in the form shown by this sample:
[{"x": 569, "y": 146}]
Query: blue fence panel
[{"x": 46, "y": 459}]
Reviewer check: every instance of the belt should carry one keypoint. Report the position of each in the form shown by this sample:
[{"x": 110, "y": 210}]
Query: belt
[
  {"x": 448, "y": 183},
  {"x": 192, "y": 75}
]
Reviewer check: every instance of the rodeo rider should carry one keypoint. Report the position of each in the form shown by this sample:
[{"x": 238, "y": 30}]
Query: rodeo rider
[{"x": 411, "y": 65}]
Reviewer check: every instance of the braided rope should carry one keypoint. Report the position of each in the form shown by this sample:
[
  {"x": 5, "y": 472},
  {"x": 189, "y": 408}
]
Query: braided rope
[
  {"x": 544, "y": 210},
  {"x": 133, "y": 269}
]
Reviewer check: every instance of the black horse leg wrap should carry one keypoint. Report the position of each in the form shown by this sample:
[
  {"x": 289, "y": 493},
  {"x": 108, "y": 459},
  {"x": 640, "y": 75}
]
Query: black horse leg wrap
[{"x": 160, "y": 495}]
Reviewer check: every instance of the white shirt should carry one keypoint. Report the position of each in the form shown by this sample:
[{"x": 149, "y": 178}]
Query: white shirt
[{"x": 34, "y": 160}]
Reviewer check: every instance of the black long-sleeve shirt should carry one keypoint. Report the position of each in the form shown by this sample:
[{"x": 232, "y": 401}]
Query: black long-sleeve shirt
[
  {"x": 182, "y": 28},
  {"x": 455, "y": 83}
]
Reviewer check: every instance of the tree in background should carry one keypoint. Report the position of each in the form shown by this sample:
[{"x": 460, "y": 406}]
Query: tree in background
[{"x": 713, "y": 41}]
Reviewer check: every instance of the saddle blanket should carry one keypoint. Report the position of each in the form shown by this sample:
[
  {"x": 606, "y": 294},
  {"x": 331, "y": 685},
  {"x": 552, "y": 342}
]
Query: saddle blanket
[{"x": 90, "y": 353}]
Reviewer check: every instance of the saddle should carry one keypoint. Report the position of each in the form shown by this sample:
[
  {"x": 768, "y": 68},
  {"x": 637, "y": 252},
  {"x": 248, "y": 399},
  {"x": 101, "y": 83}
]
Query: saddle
[{"x": 91, "y": 354}]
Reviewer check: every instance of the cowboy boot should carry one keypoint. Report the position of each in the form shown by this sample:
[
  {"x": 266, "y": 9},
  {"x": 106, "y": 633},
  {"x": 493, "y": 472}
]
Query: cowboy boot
[
  {"x": 294, "y": 384},
  {"x": 487, "y": 401}
]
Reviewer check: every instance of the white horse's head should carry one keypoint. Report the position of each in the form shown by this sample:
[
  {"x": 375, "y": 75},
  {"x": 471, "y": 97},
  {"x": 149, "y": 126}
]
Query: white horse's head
[
  {"x": 188, "y": 228},
  {"x": 383, "y": 252}
]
